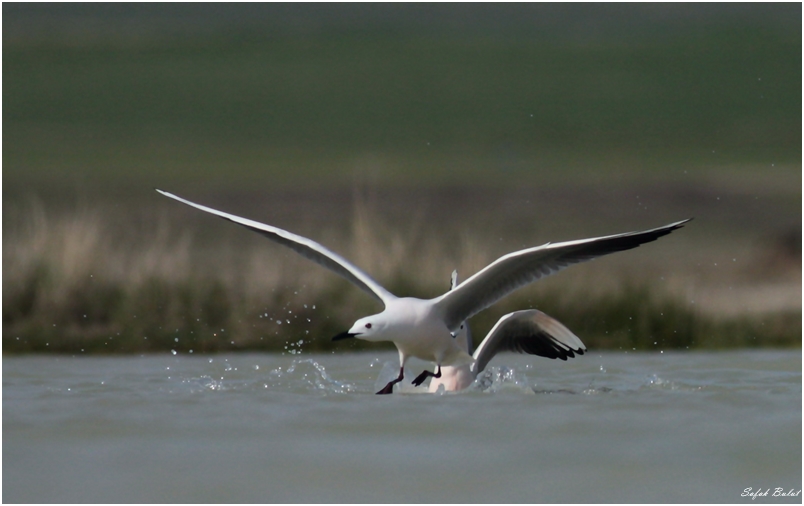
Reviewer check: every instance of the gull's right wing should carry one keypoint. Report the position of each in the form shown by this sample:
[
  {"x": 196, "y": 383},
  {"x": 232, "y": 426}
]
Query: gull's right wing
[
  {"x": 517, "y": 269},
  {"x": 305, "y": 247}
]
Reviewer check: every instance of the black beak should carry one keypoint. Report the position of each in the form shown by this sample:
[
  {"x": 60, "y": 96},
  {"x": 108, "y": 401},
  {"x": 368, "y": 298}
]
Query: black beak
[{"x": 344, "y": 335}]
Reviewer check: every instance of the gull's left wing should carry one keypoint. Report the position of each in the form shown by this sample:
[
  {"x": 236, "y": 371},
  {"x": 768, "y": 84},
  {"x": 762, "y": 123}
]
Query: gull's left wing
[{"x": 305, "y": 247}]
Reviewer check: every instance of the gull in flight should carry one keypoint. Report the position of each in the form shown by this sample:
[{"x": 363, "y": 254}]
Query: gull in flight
[
  {"x": 529, "y": 331},
  {"x": 426, "y": 329}
]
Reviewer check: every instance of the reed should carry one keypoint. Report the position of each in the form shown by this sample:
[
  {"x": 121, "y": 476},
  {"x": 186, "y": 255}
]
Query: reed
[{"x": 71, "y": 285}]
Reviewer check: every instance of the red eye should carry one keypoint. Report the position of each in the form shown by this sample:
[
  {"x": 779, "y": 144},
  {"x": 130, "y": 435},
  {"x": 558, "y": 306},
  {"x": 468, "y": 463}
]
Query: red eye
[{"x": 368, "y": 325}]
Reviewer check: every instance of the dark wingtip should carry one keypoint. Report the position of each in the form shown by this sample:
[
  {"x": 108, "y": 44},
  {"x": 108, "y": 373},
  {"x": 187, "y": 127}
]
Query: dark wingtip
[{"x": 675, "y": 226}]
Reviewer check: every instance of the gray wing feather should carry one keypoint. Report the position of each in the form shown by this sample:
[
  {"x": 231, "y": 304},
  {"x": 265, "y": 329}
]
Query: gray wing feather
[
  {"x": 520, "y": 268},
  {"x": 305, "y": 247}
]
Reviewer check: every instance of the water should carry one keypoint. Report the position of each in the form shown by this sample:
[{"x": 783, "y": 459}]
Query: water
[{"x": 606, "y": 427}]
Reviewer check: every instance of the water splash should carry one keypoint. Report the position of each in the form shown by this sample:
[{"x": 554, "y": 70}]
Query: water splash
[
  {"x": 309, "y": 374},
  {"x": 498, "y": 379},
  {"x": 655, "y": 382},
  {"x": 303, "y": 375},
  {"x": 207, "y": 383}
]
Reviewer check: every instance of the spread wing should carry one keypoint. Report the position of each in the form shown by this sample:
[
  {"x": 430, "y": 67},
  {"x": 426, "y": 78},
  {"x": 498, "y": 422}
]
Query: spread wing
[
  {"x": 531, "y": 332},
  {"x": 305, "y": 247},
  {"x": 520, "y": 268}
]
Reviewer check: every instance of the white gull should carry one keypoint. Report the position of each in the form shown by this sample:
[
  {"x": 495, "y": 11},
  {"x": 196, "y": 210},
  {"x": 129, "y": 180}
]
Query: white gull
[{"x": 426, "y": 329}]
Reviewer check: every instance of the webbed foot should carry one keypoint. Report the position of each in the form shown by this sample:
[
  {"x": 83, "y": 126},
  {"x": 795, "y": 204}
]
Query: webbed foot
[{"x": 389, "y": 388}]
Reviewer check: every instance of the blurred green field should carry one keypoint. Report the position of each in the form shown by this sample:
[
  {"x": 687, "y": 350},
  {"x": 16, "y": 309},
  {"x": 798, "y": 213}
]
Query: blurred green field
[
  {"x": 451, "y": 133},
  {"x": 265, "y": 104}
]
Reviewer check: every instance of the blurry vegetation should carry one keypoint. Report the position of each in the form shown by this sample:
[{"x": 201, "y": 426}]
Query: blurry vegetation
[{"x": 70, "y": 287}]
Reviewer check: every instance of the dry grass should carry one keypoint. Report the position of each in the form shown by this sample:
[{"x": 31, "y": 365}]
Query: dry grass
[{"x": 73, "y": 284}]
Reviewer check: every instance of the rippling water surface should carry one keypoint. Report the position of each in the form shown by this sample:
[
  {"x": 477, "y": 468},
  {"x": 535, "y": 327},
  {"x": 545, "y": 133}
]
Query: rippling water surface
[{"x": 608, "y": 427}]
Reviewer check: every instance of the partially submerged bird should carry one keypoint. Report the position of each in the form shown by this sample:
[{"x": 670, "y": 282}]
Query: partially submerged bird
[
  {"x": 426, "y": 328},
  {"x": 530, "y": 331}
]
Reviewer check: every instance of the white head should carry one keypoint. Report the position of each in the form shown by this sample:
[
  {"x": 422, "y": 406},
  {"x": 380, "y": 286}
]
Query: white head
[
  {"x": 401, "y": 319},
  {"x": 369, "y": 328}
]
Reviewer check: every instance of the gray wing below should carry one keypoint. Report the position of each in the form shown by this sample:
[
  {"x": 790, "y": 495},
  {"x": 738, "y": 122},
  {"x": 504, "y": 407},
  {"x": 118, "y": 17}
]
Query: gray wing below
[
  {"x": 517, "y": 269},
  {"x": 529, "y": 331},
  {"x": 305, "y": 247}
]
